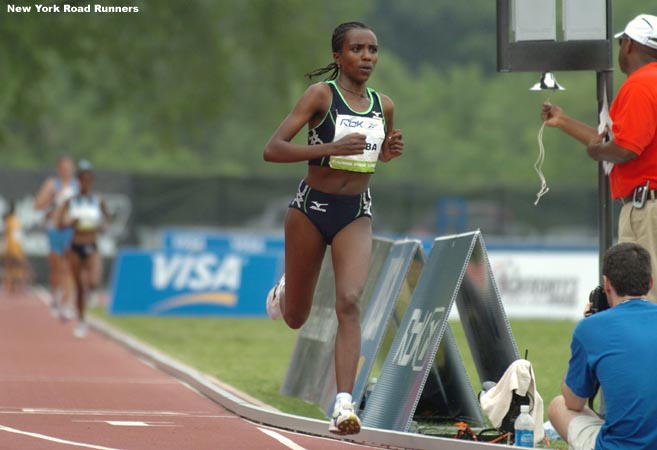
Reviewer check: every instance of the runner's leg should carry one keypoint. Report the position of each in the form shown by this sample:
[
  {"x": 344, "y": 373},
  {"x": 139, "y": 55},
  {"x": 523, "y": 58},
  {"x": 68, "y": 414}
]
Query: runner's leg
[
  {"x": 351, "y": 251},
  {"x": 304, "y": 252},
  {"x": 76, "y": 265}
]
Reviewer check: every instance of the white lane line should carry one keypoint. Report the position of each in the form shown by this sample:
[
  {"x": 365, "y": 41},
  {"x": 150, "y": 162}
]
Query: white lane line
[
  {"x": 282, "y": 439},
  {"x": 147, "y": 363},
  {"x": 190, "y": 387},
  {"x": 54, "y": 439},
  {"x": 38, "y": 379},
  {"x": 84, "y": 412},
  {"x": 127, "y": 423},
  {"x": 130, "y": 423}
]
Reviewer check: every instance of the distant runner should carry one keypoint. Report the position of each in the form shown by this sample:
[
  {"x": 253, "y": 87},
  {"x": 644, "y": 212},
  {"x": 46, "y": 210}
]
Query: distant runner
[{"x": 87, "y": 214}]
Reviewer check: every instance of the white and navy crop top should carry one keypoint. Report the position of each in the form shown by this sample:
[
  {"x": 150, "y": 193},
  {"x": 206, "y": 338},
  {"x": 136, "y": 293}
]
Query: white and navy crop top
[
  {"x": 341, "y": 120},
  {"x": 86, "y": 209}
]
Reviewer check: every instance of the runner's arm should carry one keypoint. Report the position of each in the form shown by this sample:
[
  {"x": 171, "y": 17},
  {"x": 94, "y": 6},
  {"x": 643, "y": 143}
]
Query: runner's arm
[
  {"x": 314, "y": 104},
  {"x": 393, "y": 145},
  {"x": 45, "y": 194}
]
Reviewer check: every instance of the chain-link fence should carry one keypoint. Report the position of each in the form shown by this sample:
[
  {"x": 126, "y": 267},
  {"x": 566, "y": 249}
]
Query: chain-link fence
[{"x": 143, "y": 204}]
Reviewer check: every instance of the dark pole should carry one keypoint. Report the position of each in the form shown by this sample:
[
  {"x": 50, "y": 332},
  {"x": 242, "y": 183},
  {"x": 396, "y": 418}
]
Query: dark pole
[
  {"x": 605, "y": 82},
  {"x": 503, "y": 25}
]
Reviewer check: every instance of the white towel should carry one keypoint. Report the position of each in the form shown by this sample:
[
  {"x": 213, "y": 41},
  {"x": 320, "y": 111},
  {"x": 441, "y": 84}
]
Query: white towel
[
  {"x": 518, "y": 377},
  {"x": 605, "y": 122}
]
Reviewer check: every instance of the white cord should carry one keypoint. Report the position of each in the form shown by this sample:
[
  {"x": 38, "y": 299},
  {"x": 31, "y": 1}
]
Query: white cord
[{"x": 538, "y": 165}]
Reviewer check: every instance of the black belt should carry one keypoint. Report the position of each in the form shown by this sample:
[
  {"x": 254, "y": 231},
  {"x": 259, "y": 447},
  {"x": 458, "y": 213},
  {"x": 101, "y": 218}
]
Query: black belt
[{"x": 652, "y": 195}]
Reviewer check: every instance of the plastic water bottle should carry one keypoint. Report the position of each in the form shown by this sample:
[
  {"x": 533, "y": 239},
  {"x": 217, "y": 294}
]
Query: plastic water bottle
[{"x": 524, "y": 427}]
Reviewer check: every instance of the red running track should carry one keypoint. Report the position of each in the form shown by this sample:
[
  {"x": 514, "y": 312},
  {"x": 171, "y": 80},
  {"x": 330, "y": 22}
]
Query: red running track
[{"x": 60, "y": 392}]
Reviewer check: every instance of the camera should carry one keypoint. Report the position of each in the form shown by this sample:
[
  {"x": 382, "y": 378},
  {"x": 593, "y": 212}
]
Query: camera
[{"x": 598, "y": 300}]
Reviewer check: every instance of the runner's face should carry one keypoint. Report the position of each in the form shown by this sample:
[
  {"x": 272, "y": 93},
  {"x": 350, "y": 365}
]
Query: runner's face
[
  {"x": 359, "y": 54},
  {"x": 65, "y": 168},
  {"x": 86, "y": 179}
]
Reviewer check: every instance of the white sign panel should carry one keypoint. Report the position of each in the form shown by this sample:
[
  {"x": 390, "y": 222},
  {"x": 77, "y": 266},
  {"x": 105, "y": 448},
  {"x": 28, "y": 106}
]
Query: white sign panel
[{"x": 544, "y": 284}]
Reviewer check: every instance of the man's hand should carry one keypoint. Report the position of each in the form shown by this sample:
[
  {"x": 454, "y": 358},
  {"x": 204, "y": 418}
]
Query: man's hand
[{"x": 551, "y": 114}]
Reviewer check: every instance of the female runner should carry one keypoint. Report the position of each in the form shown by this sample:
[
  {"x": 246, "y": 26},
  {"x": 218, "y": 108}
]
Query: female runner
[
  {"x": 87, "y": 214},
  {"x": 350, "y": 129}
]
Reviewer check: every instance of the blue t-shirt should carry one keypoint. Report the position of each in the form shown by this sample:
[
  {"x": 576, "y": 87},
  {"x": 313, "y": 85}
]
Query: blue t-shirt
[{"x": 618, "y": 348}]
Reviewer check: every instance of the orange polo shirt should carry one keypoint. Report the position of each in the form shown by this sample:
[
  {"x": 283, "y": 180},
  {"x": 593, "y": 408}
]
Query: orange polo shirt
[{"x": 634, "y": 113}]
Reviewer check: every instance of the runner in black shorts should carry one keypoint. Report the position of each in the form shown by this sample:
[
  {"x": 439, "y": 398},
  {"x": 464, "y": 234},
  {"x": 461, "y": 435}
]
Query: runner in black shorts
[
  {"x": 350, "y": 129},
  {"x": 87, "y": 214}
]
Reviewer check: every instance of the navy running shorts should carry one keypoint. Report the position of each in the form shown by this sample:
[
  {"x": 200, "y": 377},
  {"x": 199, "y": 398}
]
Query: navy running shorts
[{"x": 330, "y": 213}]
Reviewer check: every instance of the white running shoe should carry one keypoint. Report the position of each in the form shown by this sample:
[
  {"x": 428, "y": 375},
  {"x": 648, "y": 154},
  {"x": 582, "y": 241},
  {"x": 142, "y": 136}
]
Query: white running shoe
[
  {"x": 66, "y": 313},
  {"x": 344, "y": 420},
  {"x": 274, "y": 299},
  {"x": 80, "y": 330}
]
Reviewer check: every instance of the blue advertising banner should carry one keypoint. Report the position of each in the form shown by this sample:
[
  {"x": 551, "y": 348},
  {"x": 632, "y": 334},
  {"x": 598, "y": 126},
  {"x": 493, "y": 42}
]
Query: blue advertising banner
[
  {"x": 169, "y": 282},
  {"x": 185, "y": 239}
]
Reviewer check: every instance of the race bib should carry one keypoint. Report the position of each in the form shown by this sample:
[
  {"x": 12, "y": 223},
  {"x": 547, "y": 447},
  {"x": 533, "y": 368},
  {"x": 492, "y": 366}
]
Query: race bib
[
  {"x": 372, "y": 128},
  {"x": 88, "y": 215}
]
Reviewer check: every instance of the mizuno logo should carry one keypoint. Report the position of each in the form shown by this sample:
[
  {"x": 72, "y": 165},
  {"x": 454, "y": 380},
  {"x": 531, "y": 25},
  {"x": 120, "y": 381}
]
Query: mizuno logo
[{"x": 317, "y": 206}]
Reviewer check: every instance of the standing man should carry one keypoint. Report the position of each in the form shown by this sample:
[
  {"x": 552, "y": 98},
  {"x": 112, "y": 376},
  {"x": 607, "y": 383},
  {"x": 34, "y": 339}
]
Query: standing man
[
  {"x": 615, "y": 350},
  {"x": 631, "y": 144}
]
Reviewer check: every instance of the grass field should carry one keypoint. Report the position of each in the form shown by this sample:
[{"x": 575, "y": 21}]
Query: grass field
[{"x": 252, "y": 354}]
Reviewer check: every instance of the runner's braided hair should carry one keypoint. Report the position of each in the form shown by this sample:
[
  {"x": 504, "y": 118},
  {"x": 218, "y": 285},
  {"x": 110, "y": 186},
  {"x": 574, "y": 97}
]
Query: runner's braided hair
[{"x": 336, "y": 44}]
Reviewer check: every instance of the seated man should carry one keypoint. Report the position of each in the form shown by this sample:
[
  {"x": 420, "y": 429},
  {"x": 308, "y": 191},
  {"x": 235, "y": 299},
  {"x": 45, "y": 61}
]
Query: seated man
[{"x": 615, "y": 349}]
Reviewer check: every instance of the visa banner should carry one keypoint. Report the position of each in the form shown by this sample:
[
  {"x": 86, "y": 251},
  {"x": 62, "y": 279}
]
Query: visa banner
[
  {"x": 168, "y": 282},
  {"x": 187, "y": 239}
]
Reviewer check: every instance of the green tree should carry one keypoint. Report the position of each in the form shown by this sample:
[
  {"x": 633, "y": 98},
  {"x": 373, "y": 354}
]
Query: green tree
[{"x": 199, "y": 86}]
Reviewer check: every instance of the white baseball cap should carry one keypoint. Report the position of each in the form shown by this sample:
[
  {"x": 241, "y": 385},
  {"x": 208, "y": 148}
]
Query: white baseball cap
[
  {"x": 85, "y": 165},
  {"x": 642, "y": 29}
]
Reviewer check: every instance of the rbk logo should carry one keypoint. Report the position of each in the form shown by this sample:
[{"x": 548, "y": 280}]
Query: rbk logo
[
  {"x": 317, "y": 206},
  {"x": 351, "y": 123}
]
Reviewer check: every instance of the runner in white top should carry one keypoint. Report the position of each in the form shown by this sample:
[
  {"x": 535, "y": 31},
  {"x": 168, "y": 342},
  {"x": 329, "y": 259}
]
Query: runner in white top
[{"x": 54, "y": 191}]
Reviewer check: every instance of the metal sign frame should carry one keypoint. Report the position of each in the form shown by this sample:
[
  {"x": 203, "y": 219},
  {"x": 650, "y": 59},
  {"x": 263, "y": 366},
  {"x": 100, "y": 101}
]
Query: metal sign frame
[
  {"x": 395, "y": 271},
  {"x": 411, "y": 358}
]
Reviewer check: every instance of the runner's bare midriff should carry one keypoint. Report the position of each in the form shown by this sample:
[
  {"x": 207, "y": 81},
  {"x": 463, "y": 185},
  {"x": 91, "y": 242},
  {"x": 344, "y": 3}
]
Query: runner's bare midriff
[{"x": 339, "y": 182}]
